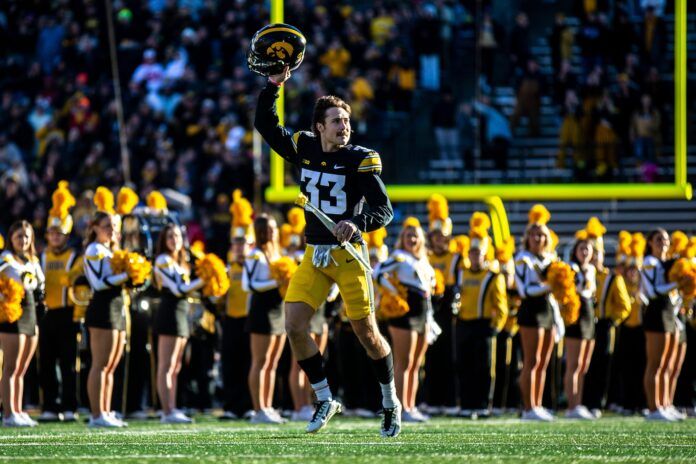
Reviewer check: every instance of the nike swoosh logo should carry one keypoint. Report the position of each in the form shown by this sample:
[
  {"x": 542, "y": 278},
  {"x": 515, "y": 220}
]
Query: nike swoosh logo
[
  {"x": 350, "y": 260},
  {"x": 336, "y": 166}
]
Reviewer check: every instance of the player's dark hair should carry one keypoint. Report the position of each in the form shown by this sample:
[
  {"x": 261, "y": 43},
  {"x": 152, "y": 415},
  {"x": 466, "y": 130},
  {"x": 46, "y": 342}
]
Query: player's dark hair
[
  {"x": 98, "y": 217},
  {"x": 323, "y": 104}
]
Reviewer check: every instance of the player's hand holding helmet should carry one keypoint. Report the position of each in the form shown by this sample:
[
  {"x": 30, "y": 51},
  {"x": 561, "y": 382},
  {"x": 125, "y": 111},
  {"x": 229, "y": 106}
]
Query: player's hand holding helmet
[{"x": 275, "y": 47}]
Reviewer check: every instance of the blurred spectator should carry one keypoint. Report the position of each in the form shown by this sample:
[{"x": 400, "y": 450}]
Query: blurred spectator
[
  {"x": 489, "y": 39},
  {"x": 592, "y": 39},
  {"x": 428, "y": 44},
  {"x": 605, "y": 139},
  {"x": 498, "y": 133},
  {"x": 645, "y": 130},
  {"x": 444, "y": 121},
  {"x": 529, "y": 91},
  {"x": 520, "y": 42},
  {"x": 570, "y": 137},
  {"x": 623, "y": 38},
  {"x": 653, "y": 38},
  {"x": 336, "y": 59},
  {"x": 561, "y": 42},
  {"x": 149, "y": 71}
]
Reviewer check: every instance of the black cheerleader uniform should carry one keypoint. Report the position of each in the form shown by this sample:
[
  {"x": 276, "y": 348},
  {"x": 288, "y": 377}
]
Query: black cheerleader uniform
[
  {"x": 171, "y": 317},
  {"x": 536, "y": 309},
  {"x": 30, "y": 275},
  {"x": 266, "y": 315},
  {"x": 418, "y": 277},
  {"x": 106, "y": 309},
  {"x": 662, "y": 296},
  {"x": 586, "y": 284}
]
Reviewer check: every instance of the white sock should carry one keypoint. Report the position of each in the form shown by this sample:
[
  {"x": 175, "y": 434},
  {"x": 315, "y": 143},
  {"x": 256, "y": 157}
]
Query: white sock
[
  {"x": 322, "y": 390},
  {"x": 389, "y": 399}
]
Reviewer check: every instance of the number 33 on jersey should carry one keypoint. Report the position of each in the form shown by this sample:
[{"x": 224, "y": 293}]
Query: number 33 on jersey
[{"x": 344, "y": 184}]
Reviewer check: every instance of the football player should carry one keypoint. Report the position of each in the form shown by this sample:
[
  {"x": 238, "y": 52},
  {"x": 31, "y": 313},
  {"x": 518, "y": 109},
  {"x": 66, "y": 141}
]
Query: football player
[{"x": 338, "y": 178}]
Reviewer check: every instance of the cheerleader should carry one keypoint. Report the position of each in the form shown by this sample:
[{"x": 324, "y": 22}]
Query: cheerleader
[
  {"x": 659, "y": 324},
  {"x": 292, "y": 243},
  {"x": 18, "y": 338},
  {"x": 612, "y": 308},
  {"x": 536, "y": 314},
  {"x": 58, "y": 332},
  {"x": 172, "y": 273},
  {"x": 630, "y": 350},
  {"x": 236, "y": 354},
  {"x": 482, "y": 314},
  {"x": 266, "y": 322},
  {"x": 411, "y": 269},
  {"x": 105, "y": 318},
  {"x": 579, "y": 336},
  {"x": 440, "y": 386}
]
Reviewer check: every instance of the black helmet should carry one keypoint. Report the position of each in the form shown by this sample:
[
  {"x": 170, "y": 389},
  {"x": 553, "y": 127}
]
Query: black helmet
[{"x": 274, "y": 47}]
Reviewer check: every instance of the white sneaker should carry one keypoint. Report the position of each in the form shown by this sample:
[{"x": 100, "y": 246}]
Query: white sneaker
[
  {"x": 139, "y": 415},
  {"x": 674, "y": 412},
  {"x": 303, "y": 415},
  {"x": 408, "y": 416},
  {"x": 14, "y": 420},
  {"x": 364, "y": 413},
  {"x": 323, "y": 412},
  {"x": 391, "y": 421},
  {"x": 116, "y": 418},
  {"x": 660, "y": 415},
  {"x": 25, "y": 417},
  {"x": 546, "y": 412},
  {"x": 419, "y": 415},
  {"x": 276, "y": 414},
  {"x": 482, "y": 413},
  {"x": 176, "y": 417},
  {"x": 263, "y": 417},
  {"x": 578, "y": 412},
  {"x": 535, "y": 414},
  {"x": 49, "y": 416},
  {"x": 228, "y": 415},
  {"x": 70, "y": 416},
  {"x": 102, "y": 421},
  {"x": 596, "y": 412}
]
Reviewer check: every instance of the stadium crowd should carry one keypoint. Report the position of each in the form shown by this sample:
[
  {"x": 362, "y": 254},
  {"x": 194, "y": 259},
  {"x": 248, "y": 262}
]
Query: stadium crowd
[{"x": 188, "y": 97}]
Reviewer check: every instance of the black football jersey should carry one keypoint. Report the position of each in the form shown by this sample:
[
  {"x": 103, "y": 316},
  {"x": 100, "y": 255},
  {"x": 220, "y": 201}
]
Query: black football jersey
[{"x": 344, "y": 184}]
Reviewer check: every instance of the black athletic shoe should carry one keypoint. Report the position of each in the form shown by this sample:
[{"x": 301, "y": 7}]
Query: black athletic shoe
[{"x": 391, "y": 421}]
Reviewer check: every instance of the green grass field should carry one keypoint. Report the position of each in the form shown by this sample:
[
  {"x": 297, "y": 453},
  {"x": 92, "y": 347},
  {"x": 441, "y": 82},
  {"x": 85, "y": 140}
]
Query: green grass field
[{"x": 355, "y": 440}]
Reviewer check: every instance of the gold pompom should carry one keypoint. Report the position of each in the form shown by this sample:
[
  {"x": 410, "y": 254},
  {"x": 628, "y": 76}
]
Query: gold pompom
[
  {"x": 624, "y": 246},
  {"x": 11, "y": 295},
  {"x": 104, "y": 200},
  {"x": 561, "y": 279},
  {"x": 690, "y": 248},
  {"x": 582, "y": 235},
  {"x": 282, "y": 271},
  {"x": 2, "y": 242},
  {"x": 638, "y": 244},
  {"x": 393, "y": 304},
  {"x": 438, "y": 209},
  {"x": 554, "y": 240},
  {"x": 505, "y": 252},
  {"x": 126, "y": 200},
  {"x": 241, "y": 210},
  {"x": 296, "y": 219},
  {"x": 539, "y": 215},
  {"x": 411, "y": 221},
  {"x": 683, "y": 272},
  {"x": 678, "y": 243},
  {"x": 213, "y": 273},
  {"x": 460, "y": 244},
  {"x": 197, "y": 249},
  {"x": 594, "y": 228},
  {"x": 375, "y": 239},
  {"x": 156, "y": 201},
  {"x": 138, "y": 268}
]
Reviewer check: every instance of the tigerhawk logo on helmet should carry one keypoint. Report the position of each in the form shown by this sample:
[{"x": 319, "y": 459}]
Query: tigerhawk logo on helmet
[{"x": 275, "y": 46}]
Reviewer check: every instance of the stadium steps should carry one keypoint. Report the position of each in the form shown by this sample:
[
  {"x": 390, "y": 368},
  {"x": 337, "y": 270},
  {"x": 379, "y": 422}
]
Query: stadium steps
[{"x": 532, "y": 159}]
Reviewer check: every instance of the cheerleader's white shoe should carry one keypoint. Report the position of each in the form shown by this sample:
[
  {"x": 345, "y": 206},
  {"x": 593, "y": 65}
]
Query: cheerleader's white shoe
[
  {"x": 14, "y": 420},
  {"x": 660, "y": 415},
  {"x": 25, "y": 417}
]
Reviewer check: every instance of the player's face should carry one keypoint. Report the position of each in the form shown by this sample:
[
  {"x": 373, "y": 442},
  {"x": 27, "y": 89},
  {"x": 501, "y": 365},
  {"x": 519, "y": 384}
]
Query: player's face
[
  {"x": 56, "y": 238},
  {"x": 583, "y": 252},
  {"x": 106, "y": 232},
  {"x": 633, "y": 275},
  {"x": 336, "y": 128},
  {"x": 239, "y": 249},
  {"x": 476, "y": 258},
  {"x": 21, "y": 240},
  {"x": 411, "y": 239},
  {"x": 174, "y": 240},
  {"x": 439, "y": 242},
  {"x": 537, "y": 240}
]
